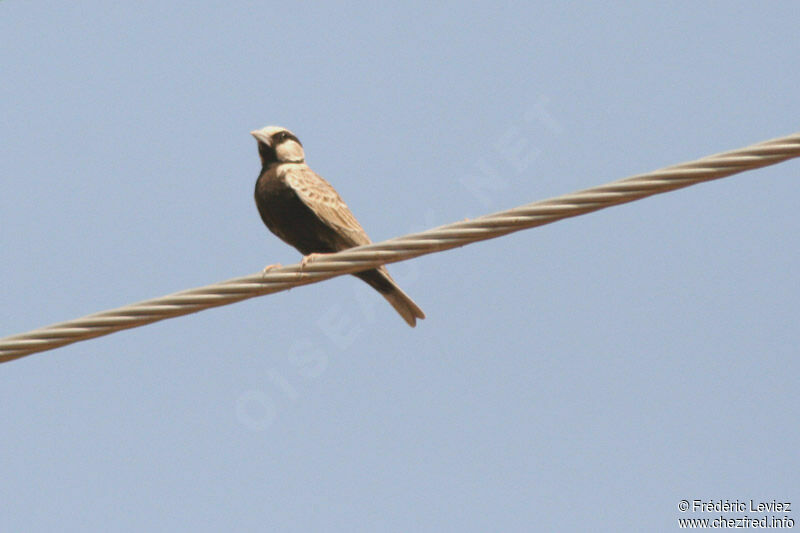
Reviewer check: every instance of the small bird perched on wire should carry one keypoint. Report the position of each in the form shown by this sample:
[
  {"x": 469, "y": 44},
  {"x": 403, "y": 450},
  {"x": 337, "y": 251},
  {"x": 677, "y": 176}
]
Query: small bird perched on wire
[{"x": 304, "y": 210}]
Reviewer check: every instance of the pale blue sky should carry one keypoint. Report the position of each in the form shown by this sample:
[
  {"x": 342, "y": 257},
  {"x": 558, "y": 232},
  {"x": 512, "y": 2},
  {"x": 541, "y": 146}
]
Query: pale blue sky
[{"x": 586, "y": 375}]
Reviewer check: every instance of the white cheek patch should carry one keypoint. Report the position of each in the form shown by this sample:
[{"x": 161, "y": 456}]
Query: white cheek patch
[{"x": 290, "y": 151}]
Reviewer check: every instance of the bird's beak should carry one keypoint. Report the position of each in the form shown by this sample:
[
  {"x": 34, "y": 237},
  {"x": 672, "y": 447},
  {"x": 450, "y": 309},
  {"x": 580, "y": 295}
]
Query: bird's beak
[{"x": 260, "y": 136}]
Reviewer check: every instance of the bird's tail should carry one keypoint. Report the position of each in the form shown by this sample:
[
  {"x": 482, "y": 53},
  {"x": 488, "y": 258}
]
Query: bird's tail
[
  {"x": 380, "y": 280},
  {"x": 404, "y": 305}
]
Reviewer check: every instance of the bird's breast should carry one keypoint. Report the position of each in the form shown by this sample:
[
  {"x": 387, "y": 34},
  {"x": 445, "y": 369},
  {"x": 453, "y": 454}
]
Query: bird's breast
[{"x": 288, "y": 217}]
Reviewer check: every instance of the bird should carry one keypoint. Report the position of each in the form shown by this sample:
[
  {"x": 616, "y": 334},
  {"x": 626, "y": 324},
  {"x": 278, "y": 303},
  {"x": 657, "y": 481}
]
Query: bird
[{"x": 305, "y": 211}]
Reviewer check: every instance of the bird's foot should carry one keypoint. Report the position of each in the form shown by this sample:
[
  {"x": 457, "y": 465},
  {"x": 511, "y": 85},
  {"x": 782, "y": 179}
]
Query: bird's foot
[
  {"x": 308, "y": 259},
  {"x": 270, "y": 267}
]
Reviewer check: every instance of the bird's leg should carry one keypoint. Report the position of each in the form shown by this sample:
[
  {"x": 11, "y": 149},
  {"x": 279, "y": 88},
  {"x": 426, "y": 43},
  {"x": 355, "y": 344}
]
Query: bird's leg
[
  {"x": 308, "y": 259},
  {"x": 270, "y": 267}
]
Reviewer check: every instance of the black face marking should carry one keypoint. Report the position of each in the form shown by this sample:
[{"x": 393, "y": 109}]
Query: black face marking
[
  {"x": 283, "y": 136},
  {"x": 267, "y": 154}
]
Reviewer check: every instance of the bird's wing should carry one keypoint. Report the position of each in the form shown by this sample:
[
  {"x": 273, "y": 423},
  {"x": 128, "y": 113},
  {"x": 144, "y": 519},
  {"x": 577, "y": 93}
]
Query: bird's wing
[{"x": 325, "y": 202}]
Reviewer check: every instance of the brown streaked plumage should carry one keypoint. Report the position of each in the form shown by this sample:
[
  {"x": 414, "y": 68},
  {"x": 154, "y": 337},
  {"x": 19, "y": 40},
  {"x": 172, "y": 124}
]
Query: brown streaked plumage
[{"x": 304, "y": 210}]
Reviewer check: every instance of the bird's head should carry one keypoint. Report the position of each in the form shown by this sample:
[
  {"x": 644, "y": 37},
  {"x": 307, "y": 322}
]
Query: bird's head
[{"x": 278, "y": 145}]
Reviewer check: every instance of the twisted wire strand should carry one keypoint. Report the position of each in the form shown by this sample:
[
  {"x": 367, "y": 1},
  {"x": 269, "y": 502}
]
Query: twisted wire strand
[{"x": 400, "y": 248}]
